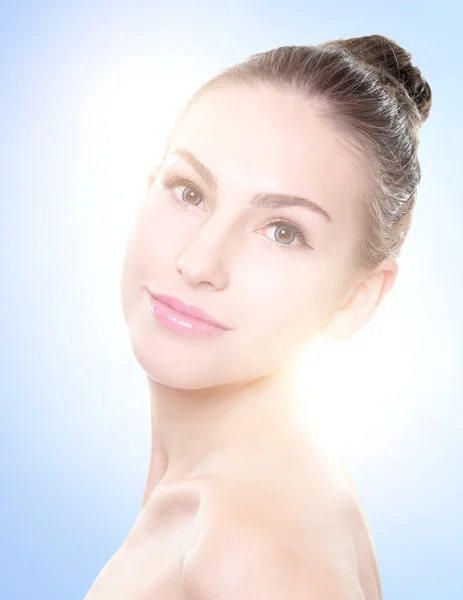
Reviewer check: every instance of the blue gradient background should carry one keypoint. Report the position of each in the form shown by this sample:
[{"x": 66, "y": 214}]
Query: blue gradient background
[{"x": 74, "y": 404}]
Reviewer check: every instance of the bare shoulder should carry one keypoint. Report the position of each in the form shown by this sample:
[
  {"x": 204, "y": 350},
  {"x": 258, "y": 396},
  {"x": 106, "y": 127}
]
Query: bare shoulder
[
  {"x": 242, "y": 562},
  {"x": 250, "y": 561},
  {"x": 273, "y": 535}
]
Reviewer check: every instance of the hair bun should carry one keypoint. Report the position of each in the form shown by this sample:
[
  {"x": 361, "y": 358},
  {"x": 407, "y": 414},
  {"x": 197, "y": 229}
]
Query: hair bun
[{"x": 384, "y": 54}]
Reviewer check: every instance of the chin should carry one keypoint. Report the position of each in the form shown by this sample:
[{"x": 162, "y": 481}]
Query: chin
[{"x": 177, "y": 369}]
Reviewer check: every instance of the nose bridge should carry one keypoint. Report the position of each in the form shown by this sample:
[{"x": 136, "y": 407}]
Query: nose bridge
[{"x": 205, "y": 256}]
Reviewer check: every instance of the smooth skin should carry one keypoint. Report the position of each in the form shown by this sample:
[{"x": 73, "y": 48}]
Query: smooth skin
[{"x": 241, "y": 502}]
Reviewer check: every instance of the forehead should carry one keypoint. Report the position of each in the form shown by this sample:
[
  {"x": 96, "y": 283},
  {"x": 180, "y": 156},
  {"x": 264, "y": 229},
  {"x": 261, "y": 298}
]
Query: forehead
[{"x": 265, "y": 140}]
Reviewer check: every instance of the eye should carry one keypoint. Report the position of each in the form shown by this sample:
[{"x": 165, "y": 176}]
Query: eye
[
  {"x": 188, "y": 194},
  {"x": 286, "y": 233},
  {"x": 183, "y": 190}
]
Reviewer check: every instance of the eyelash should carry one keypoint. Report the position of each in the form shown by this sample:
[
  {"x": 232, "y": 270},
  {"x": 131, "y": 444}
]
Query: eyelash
[{"x": 170, "y": 182}]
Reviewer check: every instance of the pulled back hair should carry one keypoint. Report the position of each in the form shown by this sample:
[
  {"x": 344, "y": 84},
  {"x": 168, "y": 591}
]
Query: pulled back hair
[{"x": 366, "y": 87}]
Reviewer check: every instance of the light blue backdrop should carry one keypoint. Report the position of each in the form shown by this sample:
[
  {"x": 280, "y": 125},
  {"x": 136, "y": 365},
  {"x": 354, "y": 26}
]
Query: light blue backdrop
[{"x": 74, "y": 409}]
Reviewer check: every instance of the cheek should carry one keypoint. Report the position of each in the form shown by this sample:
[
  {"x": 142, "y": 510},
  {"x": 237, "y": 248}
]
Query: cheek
[
  {"x": 151, "y": 247},
  {"x": 145, "y": 259},
  {"x": 289, "y": 305}
]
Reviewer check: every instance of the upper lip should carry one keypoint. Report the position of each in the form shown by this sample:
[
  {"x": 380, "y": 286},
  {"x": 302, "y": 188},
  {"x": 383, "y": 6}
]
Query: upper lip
[{"x": 188, "y": 309}]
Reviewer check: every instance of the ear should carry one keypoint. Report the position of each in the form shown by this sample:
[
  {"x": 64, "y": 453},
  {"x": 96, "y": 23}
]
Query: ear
[
  {"x": 363, "y": 301},
  {"x": 153, "y": 174}
]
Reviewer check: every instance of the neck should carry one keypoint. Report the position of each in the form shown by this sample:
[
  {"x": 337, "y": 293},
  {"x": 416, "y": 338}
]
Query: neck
[{"x": 189, "y": 428}]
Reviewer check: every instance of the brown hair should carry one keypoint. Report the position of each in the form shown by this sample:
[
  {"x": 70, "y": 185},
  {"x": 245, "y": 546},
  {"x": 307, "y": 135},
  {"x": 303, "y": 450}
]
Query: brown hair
[{"x": 369, "y": 86}]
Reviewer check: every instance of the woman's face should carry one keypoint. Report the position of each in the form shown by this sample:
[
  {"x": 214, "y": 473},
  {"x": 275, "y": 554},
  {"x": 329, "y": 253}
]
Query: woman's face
[{"x": 220, "y": 236}]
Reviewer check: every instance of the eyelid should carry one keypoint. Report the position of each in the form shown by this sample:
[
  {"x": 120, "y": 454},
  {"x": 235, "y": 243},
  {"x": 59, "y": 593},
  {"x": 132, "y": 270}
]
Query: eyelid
[
  {"x": 174, "y": 174},
  {"x": 171, "y": 180}
]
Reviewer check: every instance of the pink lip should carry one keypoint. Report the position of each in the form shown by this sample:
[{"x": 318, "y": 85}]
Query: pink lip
[{"x": 189, "y": 310}]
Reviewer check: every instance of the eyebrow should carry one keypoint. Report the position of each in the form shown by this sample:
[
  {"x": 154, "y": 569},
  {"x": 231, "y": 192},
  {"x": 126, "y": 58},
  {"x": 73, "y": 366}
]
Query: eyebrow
[
  {"x": 205, "y": 173},
  {"x": 262, "y": 200}
]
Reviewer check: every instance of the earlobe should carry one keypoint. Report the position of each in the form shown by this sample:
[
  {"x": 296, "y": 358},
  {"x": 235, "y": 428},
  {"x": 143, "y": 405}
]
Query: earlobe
[
  {"x": 344, "y": 322},
  {"x": 342, "y": 326}
]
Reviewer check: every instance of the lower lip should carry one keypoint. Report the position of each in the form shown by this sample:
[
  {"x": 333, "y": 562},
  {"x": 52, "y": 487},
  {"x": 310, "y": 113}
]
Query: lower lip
[{"x": 180, "y": 323}]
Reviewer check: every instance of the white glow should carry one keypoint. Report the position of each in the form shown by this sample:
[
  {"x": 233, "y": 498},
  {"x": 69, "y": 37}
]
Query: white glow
[
  {"x": 357, "y": 388},
  {"x": 126, "y": 116}
]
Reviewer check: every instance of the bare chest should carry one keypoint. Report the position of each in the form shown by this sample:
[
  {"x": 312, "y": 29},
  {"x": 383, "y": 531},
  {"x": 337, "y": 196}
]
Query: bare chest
[{"x": 149, "y": 563}]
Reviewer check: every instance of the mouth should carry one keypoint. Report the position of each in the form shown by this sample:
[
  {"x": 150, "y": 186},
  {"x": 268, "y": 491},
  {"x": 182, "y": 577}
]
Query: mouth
[{"x": 189, "y": 310}]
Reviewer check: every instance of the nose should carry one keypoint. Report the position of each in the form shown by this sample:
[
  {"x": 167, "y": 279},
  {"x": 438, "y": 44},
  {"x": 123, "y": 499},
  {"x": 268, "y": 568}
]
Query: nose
[{"x": 203, "y": 262}]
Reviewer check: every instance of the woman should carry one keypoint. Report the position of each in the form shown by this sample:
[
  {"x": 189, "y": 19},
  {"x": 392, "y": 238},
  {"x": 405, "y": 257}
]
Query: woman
[{"x": 277, "y": 215}]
